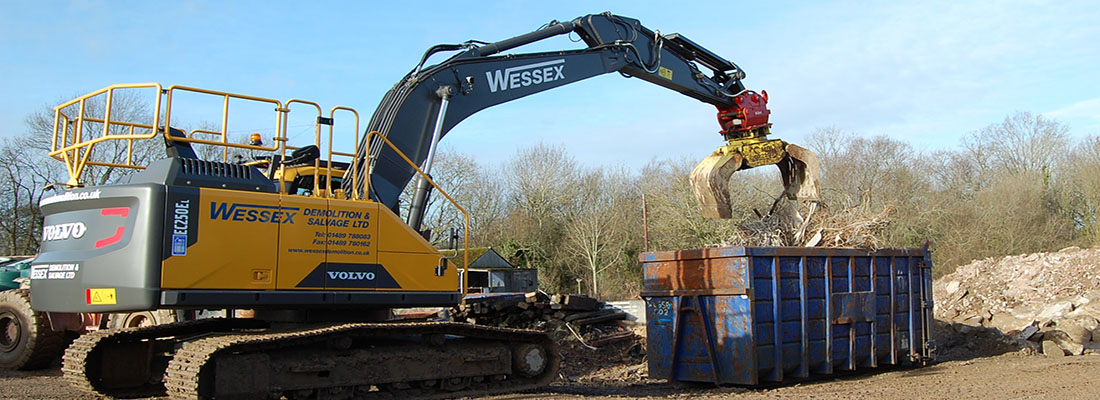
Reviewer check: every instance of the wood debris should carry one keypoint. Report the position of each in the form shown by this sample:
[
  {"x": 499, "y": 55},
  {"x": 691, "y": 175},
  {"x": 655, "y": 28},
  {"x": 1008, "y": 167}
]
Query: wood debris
[
  {"x": 808, "y": 224},
  {"x": 568, "y": 316}
]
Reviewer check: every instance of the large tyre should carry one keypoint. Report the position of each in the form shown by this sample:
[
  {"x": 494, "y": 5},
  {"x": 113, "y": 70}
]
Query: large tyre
[
  {"x": 26, "y": 340},
  {"x": 141, "y": 318}
]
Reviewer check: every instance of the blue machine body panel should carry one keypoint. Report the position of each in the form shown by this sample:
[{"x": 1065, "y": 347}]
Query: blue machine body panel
[{"x": 751, "y": 315}]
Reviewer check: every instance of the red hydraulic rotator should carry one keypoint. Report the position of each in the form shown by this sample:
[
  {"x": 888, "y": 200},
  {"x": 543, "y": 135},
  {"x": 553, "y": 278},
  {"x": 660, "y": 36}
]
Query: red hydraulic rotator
[{"x": 748, "y": 114}]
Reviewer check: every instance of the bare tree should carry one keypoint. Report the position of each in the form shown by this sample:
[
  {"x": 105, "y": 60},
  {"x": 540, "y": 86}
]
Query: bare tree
[
  {"x": 1023, "y": 142},
  {"x": 126, "y": 106},
  {"x": 464, "y": 179},
  {"x": 868, "y": 173},
  {"x": 542, "y": 181},
  {"x": 23, "y": 175},
  {"x": 828, "y": 143},
  {"x": 675, "y": 220},
  {"x": 484, "y": 198},
  {"x": 1082, "y": 191},
  {"x": 604, "y": 216}
]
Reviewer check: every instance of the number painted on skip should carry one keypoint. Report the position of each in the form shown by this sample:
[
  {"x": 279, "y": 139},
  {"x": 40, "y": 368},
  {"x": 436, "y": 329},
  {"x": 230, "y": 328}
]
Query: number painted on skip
[{"x": 662, "y": 308}]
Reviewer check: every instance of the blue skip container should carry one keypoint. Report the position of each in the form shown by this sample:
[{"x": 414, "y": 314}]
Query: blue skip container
[{"x": 751, "y": 315}]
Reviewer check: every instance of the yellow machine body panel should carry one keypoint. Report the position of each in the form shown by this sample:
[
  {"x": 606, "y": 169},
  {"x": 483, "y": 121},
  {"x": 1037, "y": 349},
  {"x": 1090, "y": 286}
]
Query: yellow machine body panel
[
  {"x": 358, "y": 234},
  {"x": 302, "y": 245},
  {"x": 233, "y": 242},
  {"x": 320, "y": 244},
  {"x": 398, "y": 244}
]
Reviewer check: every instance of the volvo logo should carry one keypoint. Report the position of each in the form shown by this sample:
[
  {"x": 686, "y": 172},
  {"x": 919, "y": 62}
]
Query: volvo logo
[
  {"x": 73, "y": 230},
  {"x": 351, "y": 276}
]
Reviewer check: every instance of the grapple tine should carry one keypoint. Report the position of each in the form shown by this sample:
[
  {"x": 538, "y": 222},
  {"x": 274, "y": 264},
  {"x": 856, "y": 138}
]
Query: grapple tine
[
  {"x": 800, "y": 174},
  {"x": 710, "y": 180},
  {"x": 801, "y": 170},
  {"x": 799, "y": 167}
]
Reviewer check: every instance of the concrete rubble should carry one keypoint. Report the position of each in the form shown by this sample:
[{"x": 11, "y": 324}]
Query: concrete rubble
[{"x": 1046, "y": 303}]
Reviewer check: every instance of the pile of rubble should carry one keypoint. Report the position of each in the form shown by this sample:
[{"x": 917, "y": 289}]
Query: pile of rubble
[
  {"x": 583, "y": 317},
  {"x": 1044, "y": 302},
  {"x": 593, "y": 339}
]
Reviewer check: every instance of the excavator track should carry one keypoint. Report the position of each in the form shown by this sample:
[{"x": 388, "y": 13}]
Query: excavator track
[
  {"x": 127, "y": 362},
  {"x": 251, "y": 359},
  {"x": 364, "y": 361}
]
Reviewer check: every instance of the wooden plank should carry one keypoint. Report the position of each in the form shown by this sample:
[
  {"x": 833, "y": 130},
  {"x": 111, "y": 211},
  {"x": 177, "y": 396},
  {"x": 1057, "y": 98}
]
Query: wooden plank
[
  {"x": 578, "y": 302},
  {"x": 589, "y": 314},
  {"x": 611, "y": 338},
  {"x": 617, "y": 315}
]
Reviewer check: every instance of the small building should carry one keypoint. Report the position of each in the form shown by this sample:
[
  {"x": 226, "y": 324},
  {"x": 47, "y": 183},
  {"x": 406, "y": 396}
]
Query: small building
[{"x": 489, "y": 272}]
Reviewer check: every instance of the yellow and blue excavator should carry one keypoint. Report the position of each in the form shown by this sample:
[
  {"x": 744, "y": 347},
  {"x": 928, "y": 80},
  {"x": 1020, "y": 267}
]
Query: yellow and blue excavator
[{"x": 315, "y": 246}]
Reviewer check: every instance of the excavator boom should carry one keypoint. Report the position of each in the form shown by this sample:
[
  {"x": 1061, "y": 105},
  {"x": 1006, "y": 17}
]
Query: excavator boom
[{"x": 477, "y": 77}]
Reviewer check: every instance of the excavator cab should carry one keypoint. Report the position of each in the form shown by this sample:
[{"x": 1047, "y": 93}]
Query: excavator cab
[
  {"x": 301, "y": 179},
  {"x": 303, "y": 172}
]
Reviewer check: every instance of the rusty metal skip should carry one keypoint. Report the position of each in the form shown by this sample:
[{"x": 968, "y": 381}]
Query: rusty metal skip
[{"x": 752, "y": 315}]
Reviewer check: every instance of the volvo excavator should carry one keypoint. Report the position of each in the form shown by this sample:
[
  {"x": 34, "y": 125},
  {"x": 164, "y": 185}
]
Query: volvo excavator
[{"x": 322, "y": 261}]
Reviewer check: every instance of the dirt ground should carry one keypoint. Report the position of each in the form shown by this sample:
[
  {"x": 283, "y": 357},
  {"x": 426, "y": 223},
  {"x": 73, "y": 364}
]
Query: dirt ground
[{"x": 1007, "y": 376}]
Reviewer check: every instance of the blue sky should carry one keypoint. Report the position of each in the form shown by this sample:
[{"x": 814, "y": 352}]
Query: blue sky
[{"x": 925, "y": 72}]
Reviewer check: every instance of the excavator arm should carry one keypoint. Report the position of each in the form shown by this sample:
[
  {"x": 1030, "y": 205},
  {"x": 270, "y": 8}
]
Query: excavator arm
[{"x": 429, "y": 101}]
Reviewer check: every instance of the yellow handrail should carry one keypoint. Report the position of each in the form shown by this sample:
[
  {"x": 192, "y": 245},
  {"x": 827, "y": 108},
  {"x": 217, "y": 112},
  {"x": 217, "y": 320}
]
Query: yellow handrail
[
  {"x": 75, "y": 159},
  {"x": 355, "y": 140},
  {"x": 71, "y": 144},
  {"x": 225, "y": 143},
  {"x": 466, "y": 216},
  {"x": 316, "y": 139}
]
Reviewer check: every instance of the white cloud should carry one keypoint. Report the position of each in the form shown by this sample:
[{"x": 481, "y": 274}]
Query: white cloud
[
  {"x": 1085, "y": 108},
  {"x": 928, "y": 72},
  {"x": 1083, "y": 117}
]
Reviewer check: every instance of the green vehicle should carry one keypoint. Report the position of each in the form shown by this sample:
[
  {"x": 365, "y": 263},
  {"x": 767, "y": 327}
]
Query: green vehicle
[
  {"x": 12, "y": 268},
  {"x": 26, "y": 339}
]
